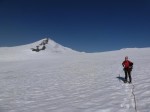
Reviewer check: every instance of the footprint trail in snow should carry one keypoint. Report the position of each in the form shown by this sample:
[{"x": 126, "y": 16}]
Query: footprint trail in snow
[{"x": 128, "y": 101}]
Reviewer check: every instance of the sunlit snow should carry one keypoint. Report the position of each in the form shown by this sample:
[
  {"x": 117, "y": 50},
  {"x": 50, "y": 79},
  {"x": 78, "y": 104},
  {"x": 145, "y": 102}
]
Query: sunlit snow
[{"x": 59, "y": 79}]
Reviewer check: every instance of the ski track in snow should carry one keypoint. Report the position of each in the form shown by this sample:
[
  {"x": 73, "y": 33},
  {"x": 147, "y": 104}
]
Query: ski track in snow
[{"x": 74, "y": 83}]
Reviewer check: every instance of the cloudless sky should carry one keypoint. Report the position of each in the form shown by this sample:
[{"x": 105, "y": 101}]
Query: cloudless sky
[{"x": 83, "y": 25}]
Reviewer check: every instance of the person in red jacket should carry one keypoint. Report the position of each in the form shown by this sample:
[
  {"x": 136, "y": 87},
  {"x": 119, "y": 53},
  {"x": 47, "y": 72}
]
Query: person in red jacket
[{"x": 127, "y": 69}]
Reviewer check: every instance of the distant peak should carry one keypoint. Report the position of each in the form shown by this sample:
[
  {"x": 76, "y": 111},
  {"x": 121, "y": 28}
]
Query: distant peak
[{"x": 49, "y": 45}]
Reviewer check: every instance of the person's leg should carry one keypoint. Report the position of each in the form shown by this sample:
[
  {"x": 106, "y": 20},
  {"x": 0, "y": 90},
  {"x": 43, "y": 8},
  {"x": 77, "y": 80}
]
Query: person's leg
[
  {"x": 130, "y": 78},
  {"x": 125, "y": 76}
]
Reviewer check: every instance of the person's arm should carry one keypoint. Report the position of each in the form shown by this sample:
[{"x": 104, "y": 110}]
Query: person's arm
[{"x": 123, "y": 64}]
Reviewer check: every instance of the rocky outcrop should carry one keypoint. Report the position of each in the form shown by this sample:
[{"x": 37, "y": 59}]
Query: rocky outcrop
[{"x": 41, "y": 46}]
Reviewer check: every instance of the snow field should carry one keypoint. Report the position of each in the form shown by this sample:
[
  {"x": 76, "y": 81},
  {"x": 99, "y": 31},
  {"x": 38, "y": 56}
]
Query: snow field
[{"x": 73, "y": 82}]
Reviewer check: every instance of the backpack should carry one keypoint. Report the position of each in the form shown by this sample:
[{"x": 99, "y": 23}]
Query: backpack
[{"x": 130, "y": 66}]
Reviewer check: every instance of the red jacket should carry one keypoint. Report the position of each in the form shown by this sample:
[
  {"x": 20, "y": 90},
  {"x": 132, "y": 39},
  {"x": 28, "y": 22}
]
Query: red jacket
[{"x": 127, "y": 64}]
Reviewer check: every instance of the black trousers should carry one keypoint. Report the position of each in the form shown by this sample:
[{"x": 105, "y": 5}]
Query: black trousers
[{"x": 128, "y": 74}]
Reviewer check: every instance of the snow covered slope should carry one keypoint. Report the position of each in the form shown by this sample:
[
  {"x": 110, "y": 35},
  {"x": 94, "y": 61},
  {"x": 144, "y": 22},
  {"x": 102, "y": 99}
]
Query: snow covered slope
[
  {"x": 73, "y": 82},
  {"x": 25, "y": 51}
]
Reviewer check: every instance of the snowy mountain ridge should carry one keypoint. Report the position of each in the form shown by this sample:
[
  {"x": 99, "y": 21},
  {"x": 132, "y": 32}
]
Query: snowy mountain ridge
[
  {"x": 51, "y": 45},
  {"x": 26, "y": 51}
]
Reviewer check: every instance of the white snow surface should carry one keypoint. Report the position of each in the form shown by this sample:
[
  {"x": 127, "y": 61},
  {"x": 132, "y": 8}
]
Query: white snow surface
[{"x": 69, "y": 81}]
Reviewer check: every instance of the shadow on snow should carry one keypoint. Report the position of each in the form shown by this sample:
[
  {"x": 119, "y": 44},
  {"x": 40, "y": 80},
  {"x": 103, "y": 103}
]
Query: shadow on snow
[{"x": 121, "y": 78}]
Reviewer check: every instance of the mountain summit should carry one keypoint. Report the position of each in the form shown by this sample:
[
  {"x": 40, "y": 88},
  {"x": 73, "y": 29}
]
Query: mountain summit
[
  {"x": 42, "y": 48},
  {"x": 50, "y": 46}
]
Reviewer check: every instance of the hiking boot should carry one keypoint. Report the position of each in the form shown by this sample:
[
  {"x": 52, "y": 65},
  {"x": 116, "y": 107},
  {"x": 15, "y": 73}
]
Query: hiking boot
[
  {"x": 125, "y": 81},
  {"x": 130, "y": 82}
]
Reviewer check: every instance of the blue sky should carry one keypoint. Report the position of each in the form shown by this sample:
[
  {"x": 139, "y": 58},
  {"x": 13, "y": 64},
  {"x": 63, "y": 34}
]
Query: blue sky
[{"x": 83, "y": 25}]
